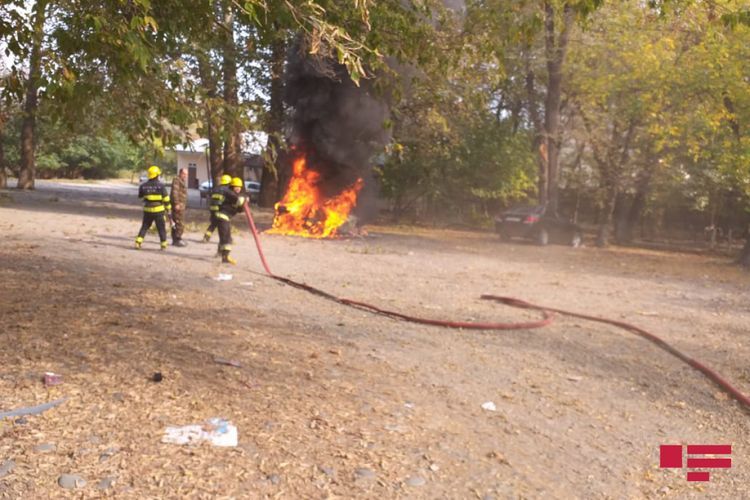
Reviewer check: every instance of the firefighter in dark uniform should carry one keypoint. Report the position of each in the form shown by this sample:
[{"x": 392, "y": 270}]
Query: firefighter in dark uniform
[
  {"x": 156, "y": 205},
  {"x": 233, "y": 202},
  {"x": 217, "y": 198}
]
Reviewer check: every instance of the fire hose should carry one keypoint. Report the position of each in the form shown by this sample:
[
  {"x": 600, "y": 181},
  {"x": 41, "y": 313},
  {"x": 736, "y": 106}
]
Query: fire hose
[{"x": 547, "y": 317}]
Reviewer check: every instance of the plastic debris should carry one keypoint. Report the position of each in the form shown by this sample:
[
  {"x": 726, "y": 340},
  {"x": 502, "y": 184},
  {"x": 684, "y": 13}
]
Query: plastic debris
[
  {"x": 217, "y": 431},
  {"x": 229, "y": 362},
  {"x": 489, "y": 406},
  {"x": 33, "y": 410},
  {"x": 223, "y": 277},
  {"x": 52, "y": 379}
]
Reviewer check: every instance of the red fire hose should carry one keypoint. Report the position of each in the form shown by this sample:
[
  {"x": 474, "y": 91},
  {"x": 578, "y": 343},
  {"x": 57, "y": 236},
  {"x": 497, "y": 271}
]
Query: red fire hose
[{"x": 547, "y": 316}]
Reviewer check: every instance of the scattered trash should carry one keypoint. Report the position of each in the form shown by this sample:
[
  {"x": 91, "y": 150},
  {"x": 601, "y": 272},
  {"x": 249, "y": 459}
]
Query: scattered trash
[
  {"x": 489, "y": 406},
  {"x": 218, "y": 431},
  {"x": 409, "y": 405},
  {"x": 247, "y": 283},
  {"x": 229, "y": 362},
  {"x": 33, "y": 410},
  {"x": 223, "y": 277},
  {"x": 157, "y": 377},
  {"x": 21, "y": 421},
  {"x": 52, "y": 379},
  {"x": 574, "y": 378}
]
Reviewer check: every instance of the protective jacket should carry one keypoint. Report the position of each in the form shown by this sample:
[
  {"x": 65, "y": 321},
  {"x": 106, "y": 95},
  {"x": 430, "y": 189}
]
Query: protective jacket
[
  {"x": 217, "y": 198},
  {"x": 231, "y": 204},
  {"x": 155, "y": 196}
]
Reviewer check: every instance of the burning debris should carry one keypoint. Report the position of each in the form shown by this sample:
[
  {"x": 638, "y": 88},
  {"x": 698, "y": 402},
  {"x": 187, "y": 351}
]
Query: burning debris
[
  {"x": 337, "y": 129},
  {"x": 305, "y": 211}
]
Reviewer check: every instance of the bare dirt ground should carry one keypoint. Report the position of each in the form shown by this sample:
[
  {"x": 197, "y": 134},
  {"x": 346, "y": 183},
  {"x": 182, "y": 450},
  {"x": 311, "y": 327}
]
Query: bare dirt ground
[{"x": 335, "y": 402}]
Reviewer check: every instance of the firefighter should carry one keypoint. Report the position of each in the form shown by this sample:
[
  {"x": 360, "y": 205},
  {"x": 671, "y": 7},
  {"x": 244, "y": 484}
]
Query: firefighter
[
  {"x": 217, "y": 198},
  {"x": 156, "y": 205},
  {"x": 233, "y": 202}
]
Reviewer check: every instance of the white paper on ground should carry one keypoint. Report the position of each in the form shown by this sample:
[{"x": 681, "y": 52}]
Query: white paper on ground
[{"x": 217, "y": 431}]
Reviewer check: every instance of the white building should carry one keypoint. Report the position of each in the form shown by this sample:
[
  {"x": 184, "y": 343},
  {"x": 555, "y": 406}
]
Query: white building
[{"x": 193, "y": 156}]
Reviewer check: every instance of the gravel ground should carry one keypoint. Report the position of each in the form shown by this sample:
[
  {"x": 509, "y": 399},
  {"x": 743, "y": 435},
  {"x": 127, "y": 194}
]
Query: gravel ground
[{"x": 336, "y": 402}]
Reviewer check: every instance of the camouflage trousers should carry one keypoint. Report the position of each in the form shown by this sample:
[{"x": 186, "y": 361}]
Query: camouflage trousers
[{"x": 178, "y": 216}]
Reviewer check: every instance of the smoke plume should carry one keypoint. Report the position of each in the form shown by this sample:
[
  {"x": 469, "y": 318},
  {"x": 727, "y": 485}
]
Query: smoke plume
[{"x": 339, "y": 126}]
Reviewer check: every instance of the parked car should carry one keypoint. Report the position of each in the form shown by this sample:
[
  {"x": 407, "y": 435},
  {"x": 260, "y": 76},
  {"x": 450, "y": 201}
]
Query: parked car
[
  {"x": 534, "y": 223},
  {"x": 205, "y": 186},
  {"x": 252, "y": 188}
]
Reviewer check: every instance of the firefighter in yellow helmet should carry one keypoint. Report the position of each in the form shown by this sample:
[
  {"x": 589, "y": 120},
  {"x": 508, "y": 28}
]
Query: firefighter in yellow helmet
[
  {"x": 233, "y": 202},
  {"x": 217, "y": 198},
  {"x": 156, "y": 205}
]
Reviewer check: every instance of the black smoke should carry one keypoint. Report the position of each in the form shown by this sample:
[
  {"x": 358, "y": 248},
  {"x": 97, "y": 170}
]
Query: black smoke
[{"x": 340, "y": 127}]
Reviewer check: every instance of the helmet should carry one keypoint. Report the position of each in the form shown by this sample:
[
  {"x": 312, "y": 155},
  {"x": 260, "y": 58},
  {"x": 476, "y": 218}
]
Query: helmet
[
  {"x": 236, "y": 182},
  {"x": 225, "y": 179},
  {"x": 153, "y": 172}
]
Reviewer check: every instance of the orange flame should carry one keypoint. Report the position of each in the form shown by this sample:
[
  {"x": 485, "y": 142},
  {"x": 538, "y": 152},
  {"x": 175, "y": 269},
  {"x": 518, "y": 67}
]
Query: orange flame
[{"x": 304, "y": 212}]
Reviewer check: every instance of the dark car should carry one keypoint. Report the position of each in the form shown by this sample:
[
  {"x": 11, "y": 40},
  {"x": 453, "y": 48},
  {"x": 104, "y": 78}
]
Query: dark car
[
  {"x": 253, "y": 189},
  {"x": 534, "y": 223}
]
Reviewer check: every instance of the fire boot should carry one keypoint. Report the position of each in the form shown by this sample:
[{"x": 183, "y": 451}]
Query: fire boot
[
  {"x": 138, "y": 242},
  {"x": 226, "y": 259},
  {"x": 206, "y": 237},
  {"x": 163, "y": 245},
  {"x": 179, "y": 243}
]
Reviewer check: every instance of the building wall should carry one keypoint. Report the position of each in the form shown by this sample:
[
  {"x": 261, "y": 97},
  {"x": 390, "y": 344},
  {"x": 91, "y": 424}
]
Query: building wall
[{"x": 187, "y": 159}]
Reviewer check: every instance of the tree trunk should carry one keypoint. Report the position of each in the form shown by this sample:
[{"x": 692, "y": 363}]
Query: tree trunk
[
  {"x": 633, "y": 218},
  {"x": 232, "y": 141},
  {"x": 555, "y": 49},
  {"x": 27, "y": 170},
  {"x": 213, "y": 123},
  {"x": 619, "y": 216},
  {"x": 605, "y": 220},
  {"x": 270, "y": 186},
  {"x": 3, "y": 174},
  {"x": 538, "y": 146},
  {"x": 744, "y": 258}
]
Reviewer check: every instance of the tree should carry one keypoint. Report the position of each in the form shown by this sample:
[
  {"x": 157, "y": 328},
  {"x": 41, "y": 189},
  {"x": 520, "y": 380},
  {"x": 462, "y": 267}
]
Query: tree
[{"x": 26, "y": 172}]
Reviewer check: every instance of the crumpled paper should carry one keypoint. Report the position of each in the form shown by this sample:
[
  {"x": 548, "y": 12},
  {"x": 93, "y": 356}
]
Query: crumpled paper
[{"x": 217, "y": 431}]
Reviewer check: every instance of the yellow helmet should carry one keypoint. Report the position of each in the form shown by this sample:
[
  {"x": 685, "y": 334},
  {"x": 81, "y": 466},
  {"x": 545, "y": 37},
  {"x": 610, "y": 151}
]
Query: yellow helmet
[
  {"x": 225, "y": 179},
  {"x": 236, "y": 182},
  {"x": 153, "y": 172}
]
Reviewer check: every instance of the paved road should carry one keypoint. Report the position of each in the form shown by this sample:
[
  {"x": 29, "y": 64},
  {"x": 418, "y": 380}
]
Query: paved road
[{"x": 119, "y": 192}]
